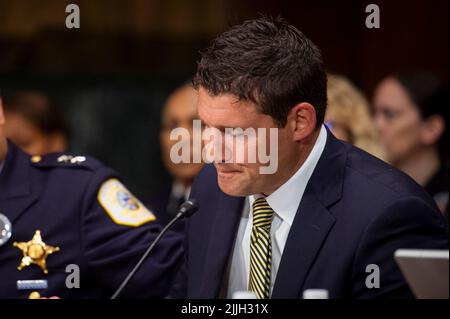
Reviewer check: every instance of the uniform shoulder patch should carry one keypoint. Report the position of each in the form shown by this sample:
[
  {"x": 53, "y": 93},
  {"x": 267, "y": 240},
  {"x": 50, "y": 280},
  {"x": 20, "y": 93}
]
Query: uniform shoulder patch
[{"x": 122, "y": 206}]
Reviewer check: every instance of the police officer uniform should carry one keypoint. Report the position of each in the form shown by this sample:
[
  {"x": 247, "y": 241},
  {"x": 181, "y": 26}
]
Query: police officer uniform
[{"x": 72, "y": 229}]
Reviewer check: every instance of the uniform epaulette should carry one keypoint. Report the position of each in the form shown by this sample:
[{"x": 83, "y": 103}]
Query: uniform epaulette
[{"x": 65, "y": 161}]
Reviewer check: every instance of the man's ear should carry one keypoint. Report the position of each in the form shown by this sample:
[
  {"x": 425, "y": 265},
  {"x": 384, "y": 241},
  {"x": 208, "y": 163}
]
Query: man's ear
[
  {"x": 432, "y": 129},
  {"x": 302, "y": 121},
  {"x": 2, "y": 114}
]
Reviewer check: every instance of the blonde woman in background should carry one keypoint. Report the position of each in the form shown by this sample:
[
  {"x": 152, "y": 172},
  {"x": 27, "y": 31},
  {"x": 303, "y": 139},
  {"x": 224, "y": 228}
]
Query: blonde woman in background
[{"x": 348, "y": 116}]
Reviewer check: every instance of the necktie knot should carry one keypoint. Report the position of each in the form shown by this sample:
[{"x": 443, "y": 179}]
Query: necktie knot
[{"x": 262, "y": 213}]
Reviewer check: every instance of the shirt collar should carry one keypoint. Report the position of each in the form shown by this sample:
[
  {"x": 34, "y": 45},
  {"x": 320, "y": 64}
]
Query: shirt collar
[
  {"x": 179, "y": 190},
  {"x": 286, "y": 199}
]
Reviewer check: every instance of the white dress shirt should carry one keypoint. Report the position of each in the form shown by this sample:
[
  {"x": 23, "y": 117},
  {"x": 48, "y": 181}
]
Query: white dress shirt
[{"x": 284, "y": 202}]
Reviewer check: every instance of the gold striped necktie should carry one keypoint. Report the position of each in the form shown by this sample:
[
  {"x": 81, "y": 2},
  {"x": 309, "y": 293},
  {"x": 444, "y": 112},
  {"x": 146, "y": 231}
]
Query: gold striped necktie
[{"x": 261, "y": 249}]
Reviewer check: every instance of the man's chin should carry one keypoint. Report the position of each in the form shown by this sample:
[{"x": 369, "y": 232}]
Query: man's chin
[
  {"x": 226, "y": 187},
  {"x": 232, "y": 189},
  {"x": 230, "y": 192}
]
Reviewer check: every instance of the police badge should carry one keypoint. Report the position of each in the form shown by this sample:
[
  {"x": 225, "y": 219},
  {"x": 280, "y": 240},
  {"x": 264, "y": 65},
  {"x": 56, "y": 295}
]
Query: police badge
[{"x": 5, "y": 229}]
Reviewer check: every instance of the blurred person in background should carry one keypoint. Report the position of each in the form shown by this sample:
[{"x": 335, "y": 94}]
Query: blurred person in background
[
  {"x": 412, "y": 124},
  {"x": 348, "y": 116},
  {"x": 35, "y": 124},
  {"x": 179, "y": 111}
]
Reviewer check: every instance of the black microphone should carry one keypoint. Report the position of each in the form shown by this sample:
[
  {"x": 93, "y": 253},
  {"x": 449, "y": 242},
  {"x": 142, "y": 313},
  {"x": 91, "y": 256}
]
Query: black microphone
[{"x": 187, "y": 209}]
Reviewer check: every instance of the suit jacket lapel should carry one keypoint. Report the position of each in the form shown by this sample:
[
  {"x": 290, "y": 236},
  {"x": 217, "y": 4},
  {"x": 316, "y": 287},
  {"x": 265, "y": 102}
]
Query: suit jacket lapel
[
  {"x": 221, "y": 242},
  {"x": 16, "y": 194},
  {"x": 309, "y": 229},
  {"x": 312, "y": 222}
]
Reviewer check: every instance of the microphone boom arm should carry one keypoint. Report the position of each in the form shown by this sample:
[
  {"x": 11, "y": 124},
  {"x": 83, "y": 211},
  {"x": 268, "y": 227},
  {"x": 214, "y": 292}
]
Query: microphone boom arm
[{"x": 187, "y": 209}]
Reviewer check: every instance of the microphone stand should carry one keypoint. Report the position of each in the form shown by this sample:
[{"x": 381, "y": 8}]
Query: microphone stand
[{"x": 145, "y": 255}]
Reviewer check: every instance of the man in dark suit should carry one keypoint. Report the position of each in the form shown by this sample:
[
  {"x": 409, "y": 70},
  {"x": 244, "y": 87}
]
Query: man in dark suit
[{"x": 330, "y": 217}]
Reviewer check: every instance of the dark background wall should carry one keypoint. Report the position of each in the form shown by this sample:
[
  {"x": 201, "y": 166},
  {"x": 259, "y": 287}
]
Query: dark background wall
[{"x": 111, "y": 76}]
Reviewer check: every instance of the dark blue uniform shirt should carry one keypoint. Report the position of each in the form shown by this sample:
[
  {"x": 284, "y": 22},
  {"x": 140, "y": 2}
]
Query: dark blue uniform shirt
[{"x": 82, "y": 208}]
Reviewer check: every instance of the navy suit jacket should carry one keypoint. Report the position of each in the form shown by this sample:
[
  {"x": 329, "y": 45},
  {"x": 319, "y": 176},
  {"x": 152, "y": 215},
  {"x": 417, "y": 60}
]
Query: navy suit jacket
[{"x": 356, "y": 211}]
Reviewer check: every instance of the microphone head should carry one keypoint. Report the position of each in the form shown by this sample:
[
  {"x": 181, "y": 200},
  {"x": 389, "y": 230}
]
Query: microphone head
[{"x": 189, "y": 207}]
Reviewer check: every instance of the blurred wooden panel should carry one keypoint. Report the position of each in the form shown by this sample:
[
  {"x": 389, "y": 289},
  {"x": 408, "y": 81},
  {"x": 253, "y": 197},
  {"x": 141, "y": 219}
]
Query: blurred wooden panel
[{"x": 25, "y": 18}]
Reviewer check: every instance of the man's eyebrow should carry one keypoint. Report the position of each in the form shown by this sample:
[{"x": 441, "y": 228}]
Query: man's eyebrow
[{"x": 220, "y": 127}]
